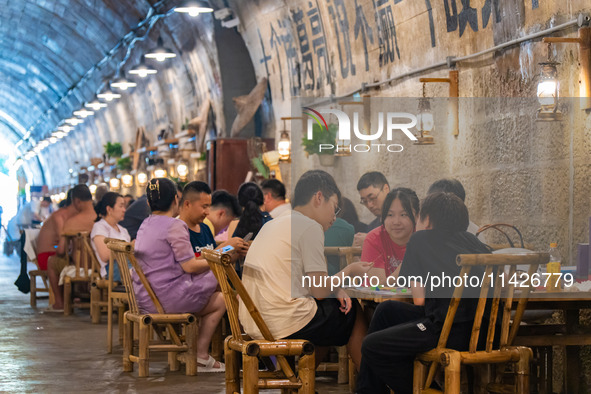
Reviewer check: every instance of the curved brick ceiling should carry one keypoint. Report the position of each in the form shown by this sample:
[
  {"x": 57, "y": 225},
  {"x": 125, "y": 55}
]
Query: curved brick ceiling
[{"x": 46, "y": 46}]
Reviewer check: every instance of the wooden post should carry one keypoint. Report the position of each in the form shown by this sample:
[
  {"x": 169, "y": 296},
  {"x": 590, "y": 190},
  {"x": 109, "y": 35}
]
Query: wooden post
[
  {"x": 144, "y": 351},
  {"x": 250, "y": 374},
  {"x": 306, "y": 371},
  {"x": 127, "y": 345},
  {"x": 522, "y": 373},
  {"x": 452, "y": 372},
  {"x": 419, "y": 375},
  {"x": 95, "y": 308},
  {"x": 67, "y": 296},
  {"x": 191, "y": 335},
  {"x": 343, "y": 365},
  {"x": 232, "y": 369}
]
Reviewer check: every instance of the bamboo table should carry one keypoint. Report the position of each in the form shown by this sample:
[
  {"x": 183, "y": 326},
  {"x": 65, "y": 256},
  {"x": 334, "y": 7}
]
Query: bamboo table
[{"x": 570, "y": 334}]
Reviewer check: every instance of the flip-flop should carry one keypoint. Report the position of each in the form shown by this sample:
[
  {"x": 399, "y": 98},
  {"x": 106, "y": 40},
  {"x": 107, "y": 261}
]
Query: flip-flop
[{"x": 208, "y": 365}]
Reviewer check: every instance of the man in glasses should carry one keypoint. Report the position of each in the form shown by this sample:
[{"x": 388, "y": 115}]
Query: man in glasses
[{"x": 373, "y": 188}]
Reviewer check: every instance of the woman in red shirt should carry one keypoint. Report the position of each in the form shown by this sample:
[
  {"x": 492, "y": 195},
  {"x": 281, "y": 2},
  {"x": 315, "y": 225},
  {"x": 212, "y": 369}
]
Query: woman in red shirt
[{"x": 385, "y": 245}]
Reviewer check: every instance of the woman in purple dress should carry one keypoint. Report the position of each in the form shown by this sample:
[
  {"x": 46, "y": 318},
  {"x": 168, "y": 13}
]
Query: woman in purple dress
[{"x": 182, "y": 283}]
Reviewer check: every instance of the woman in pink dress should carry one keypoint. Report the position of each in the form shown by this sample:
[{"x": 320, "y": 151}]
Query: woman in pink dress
[
  {"x": 385, "y": 246},
  {"x": 182, "y": 282}
]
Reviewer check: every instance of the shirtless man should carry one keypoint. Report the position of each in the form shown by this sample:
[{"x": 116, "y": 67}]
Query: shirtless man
[
  {"x": 82, "y": 220},
  {"x": 49, "y": 235}
]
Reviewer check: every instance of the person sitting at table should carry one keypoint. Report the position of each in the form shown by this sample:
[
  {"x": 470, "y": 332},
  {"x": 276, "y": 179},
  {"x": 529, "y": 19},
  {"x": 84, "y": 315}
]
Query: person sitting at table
[
  {"x": 82, "y": 221},
  {"x": 182, "y": 282},
  {"x": 195, "y": 206},
  {"x": 110, "y": 211},
  {"x": 135, "y": 214},
  {"x": 224, "y": 208},
  {"x": 385, "y": 245},
  {"x": 341, "y": 234},
  {"x": 399, "y": 330},
  {"x": 250, "y": 198},
  {"x": 287, "y": 251},
  {"x": 274, "y": 197},
  {"x": 453, "y": 186},
  {"x": 373, "y": 188}
]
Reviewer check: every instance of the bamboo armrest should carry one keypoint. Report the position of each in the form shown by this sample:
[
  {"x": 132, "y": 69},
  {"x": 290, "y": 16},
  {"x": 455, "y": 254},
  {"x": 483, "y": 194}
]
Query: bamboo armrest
[
  {"x": 280, "y": 347},
  {"x": 118, "y": 245},
  {"x": 161, "y": 318}
]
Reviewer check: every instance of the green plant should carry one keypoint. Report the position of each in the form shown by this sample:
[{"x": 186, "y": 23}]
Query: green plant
[
  {"x": 320, "y": 135},
  {"x": 113, "y": 149},
  {"x": 124, "y": 164}
]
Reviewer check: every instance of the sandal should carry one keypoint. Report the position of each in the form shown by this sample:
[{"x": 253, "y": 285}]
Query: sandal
[{"x": 208, "y": 365}]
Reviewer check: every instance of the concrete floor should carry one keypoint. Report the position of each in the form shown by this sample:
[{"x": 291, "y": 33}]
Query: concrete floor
[{"x": 50, "y": 353}]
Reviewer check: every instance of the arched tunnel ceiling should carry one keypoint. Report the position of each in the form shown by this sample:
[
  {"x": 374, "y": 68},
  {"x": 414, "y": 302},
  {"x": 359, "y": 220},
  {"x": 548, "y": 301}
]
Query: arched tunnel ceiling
[{"x": 46, "y": 46}]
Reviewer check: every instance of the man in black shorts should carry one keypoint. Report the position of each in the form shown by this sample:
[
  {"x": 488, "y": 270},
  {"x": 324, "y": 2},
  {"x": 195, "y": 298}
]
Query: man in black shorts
[{"x": 285, "y": 274}]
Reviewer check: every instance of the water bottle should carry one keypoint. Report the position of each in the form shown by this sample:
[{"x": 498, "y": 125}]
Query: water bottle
[{"x": 553, "y": 268}]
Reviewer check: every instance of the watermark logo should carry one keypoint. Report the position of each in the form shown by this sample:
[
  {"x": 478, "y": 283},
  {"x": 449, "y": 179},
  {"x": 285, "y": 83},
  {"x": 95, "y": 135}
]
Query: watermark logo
[{"x": 390, "y": 122}]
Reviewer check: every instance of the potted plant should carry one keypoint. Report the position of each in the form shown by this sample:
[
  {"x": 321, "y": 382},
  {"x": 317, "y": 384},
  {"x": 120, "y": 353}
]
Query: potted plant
[
  {"x": 113, "y": 150},
  {"x": 322, "y": 143},
  {"x": 124, "y": 164}
]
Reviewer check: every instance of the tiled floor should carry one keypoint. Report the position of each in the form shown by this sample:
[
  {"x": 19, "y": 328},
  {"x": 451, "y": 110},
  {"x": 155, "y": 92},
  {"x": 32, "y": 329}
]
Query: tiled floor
[{"x": 50, "y": 353}]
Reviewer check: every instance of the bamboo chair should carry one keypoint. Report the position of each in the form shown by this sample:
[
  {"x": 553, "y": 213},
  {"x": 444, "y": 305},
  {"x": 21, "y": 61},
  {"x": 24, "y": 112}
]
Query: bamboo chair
[
  {"x": 344, "y": 367},
  {"x": 106, "y": 293},
  {"x": 86, "y": 268},
  {"x": 426, "y": 364},
  {"x": 33, "y": 275},
  {"x": 168, "y": 326},
  {"x": 239, "y": 343}
]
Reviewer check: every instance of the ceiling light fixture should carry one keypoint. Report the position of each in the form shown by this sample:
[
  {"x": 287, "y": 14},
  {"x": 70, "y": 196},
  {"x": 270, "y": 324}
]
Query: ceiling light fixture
[
  {"x": 160, "y": 53},
  {"x": 193, "y": 8},
  {"x": 142, "y": 69}
]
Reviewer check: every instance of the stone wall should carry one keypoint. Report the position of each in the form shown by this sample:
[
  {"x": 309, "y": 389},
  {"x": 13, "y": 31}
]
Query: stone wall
[{"x": 514, "y": 169}]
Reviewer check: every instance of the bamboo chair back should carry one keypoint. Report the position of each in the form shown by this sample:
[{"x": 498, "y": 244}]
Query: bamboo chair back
[
  {"x": 223, "y": 269},
  {"x": 502, "y": 283},
  {"x": 83, "y": 256},
  {"x": 124, "y": 252}
]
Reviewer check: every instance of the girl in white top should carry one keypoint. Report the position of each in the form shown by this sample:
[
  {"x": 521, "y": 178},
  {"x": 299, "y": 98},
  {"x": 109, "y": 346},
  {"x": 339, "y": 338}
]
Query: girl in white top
[{"x": 110, "y": 210}]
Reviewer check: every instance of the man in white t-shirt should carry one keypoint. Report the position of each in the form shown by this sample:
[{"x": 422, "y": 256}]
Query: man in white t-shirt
[
  {"x": 274, "y": 197},
  {"x": 287, "y": 249}
]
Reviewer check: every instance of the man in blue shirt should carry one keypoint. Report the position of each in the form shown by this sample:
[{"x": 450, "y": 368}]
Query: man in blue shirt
[{"x": 194, "y": 209}]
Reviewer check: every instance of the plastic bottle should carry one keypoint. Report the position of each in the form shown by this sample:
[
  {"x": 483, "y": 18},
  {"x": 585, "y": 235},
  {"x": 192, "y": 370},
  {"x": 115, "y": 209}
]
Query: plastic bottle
[{"x": 553, "y": 268}]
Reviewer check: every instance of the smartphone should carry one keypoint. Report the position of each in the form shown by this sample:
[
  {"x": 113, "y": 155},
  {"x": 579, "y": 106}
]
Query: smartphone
[
  {"x": 248, "y": 237},
  {"x": 227, "y": 249}
]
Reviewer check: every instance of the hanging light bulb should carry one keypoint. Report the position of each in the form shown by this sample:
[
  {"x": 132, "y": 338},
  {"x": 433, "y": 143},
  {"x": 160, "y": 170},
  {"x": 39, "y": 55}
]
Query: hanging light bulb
[
  {"x": 183, "y": 171},
  {"x": 65, "y": 128},
  {"x": 548, "y": 91},
  {"x": 108, "y": 95},
  {"x": 95, "y": 105},
  {"x": 284, "y": 145},
  {"x": 127, "y": 180},
  {"x": 74, "y": 121},
  {"x": 192, "y": 7},
  {"x": 160, "y": 53},
  {"x": 83, "y": 113},
  {"x": 425, "y": 121},
  {"x": 122, "y": 83},
  {"x": 92, "y": 188},
  {"x": 142, "y": 178},
  {"x": 115, "y": 183},
  {"x": 142, "y": 69},
  {"x": 159, "y": 173}
]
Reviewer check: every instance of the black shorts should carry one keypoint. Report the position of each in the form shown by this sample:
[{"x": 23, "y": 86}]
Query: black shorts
[{"x": 329, "y": 326}]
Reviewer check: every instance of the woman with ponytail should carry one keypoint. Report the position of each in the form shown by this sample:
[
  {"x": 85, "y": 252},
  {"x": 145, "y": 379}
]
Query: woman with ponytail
[
  {"x": 182, "y": 282},
  {"x": 250, "y": 198},
  {"x": 110, "y": 211}
]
